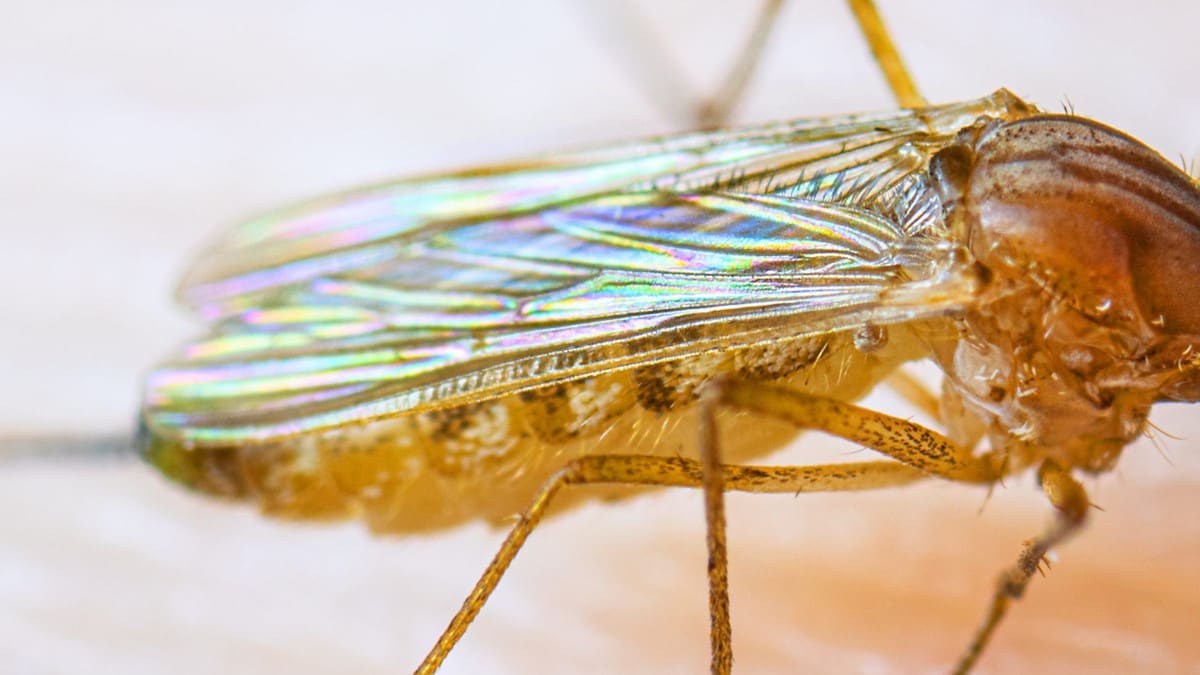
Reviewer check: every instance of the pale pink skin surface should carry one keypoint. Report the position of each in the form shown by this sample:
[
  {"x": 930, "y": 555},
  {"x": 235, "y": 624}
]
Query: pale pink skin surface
[{"x": 131, "y": 137}]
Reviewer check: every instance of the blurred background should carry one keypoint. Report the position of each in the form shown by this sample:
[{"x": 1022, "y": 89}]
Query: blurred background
[{"x": 132, "y": 132}]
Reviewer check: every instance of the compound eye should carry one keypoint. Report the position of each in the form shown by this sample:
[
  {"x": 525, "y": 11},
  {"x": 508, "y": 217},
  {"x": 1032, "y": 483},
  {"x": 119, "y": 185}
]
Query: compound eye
[
  {"x": 1100, "y": 208},
  {"x": 1164, "y": 261}
]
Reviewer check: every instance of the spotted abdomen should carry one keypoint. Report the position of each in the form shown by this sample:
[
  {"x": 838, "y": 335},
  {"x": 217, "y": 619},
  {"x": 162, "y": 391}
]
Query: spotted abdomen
[{"x": 484, "y": 460}]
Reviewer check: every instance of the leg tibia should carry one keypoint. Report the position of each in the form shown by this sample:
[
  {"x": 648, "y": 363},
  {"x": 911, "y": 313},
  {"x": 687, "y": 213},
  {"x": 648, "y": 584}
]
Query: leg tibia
[
  {"x": 678, "y": 472},
  {"x": 661, "y": 472},
  {"x": 899, "y": 439}
]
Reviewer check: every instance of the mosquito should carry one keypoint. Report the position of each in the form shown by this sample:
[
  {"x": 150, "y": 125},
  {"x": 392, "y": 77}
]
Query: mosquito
[{"x": 429, "y": 352}]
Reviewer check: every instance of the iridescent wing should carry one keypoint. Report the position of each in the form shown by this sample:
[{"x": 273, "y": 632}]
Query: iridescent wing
[{"x": 441, "y": 291}]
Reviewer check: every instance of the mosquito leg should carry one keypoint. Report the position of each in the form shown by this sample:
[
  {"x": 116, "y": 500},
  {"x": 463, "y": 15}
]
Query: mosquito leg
[
  {"x": 886, "y": 54},
  {"x": 662, "y": 79},
  {"x": 915, "y": 392},
  {"x": 904, "y": 441},
  {"x": 495, "y": 570},
  {"x": 713, "y": 483},
  {"x": 661, "y": 472},
  {"x": 650, "y": 67},
  {"x": 1071, "y": 500},
  {"x": 715, "y": 111}
]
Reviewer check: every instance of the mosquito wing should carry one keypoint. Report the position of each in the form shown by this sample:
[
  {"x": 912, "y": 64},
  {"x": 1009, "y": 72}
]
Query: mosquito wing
[{"x": 446, "y": 290}]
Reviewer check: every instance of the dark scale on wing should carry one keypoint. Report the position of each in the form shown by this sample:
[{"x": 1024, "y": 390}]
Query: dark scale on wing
[
  {"x": 781, "y": 358},
  {"x": 663, "y": 386},
  {"x": 450, "y": 423},
  {"x": 468, "y": 437},
  {"x": 655, "y": 390},
  {"x": 283, "y": 476},
  {"x": 483, "y": 460},
  {"x": 222, "y": 472},
  {"x": 571, "y": 410}
]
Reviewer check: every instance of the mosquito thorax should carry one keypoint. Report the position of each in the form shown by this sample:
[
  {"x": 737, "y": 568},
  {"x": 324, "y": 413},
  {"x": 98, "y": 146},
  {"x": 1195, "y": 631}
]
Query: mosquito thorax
[{"x": 1092, "y": 241}]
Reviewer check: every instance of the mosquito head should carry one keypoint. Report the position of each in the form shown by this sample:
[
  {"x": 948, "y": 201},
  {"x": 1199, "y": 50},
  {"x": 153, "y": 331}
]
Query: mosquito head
[{"x": 1104, "y": 227}]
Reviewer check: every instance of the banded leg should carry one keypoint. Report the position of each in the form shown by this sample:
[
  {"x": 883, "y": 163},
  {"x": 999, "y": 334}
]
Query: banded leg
[
  {"x": 645, "y": 470},
  {"x": 1071, "y": 500}
]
